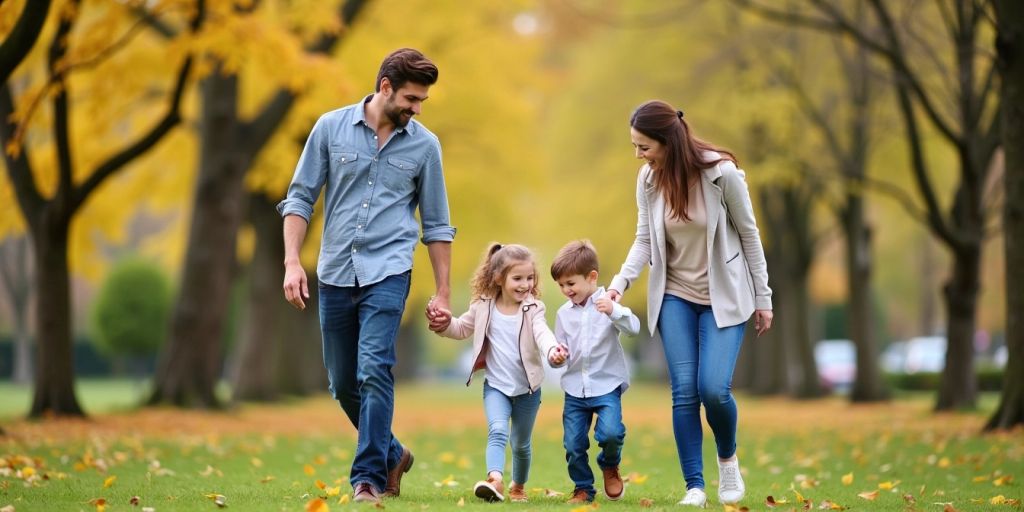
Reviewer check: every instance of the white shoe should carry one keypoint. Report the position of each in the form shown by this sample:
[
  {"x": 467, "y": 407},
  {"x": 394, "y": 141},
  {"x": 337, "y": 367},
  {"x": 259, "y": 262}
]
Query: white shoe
[
  {"x": 730, "y": 482},
  {"x": 695, "y": 498}
]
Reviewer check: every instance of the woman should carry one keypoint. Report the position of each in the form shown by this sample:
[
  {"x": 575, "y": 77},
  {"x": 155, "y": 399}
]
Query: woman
[{"x": 708, "y": 275}]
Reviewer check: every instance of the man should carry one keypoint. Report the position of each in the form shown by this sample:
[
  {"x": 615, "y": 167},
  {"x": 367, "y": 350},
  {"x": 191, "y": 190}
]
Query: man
[{"x": 378, "y": 166}]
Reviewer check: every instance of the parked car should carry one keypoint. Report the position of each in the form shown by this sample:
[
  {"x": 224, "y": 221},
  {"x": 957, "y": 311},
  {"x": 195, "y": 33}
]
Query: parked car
[
  {"x": 920, "y": 354},
  {"x": 837, "y": 363}
]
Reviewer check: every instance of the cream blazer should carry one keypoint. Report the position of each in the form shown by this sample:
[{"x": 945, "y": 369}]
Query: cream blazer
[{"x": 737, "y": 272}]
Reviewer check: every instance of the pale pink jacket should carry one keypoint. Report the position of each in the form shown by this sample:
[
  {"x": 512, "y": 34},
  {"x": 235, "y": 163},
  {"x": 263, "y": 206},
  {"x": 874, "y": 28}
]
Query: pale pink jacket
[{"x": 535, "y": 337}]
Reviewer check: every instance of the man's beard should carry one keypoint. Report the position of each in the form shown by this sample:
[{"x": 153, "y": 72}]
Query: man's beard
[{"x": 395, "y": 115}]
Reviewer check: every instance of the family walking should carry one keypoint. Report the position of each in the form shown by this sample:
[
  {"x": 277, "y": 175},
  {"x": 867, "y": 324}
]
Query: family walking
[{"x": 696, "y": 234}]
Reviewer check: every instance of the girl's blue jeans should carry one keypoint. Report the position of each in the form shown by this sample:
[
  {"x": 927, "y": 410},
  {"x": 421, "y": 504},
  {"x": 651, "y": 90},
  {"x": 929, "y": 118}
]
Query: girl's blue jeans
[
  {"x": 609, "y": 433},
  {"x": 510, "y": 418},
  {"x": 359, "y": 325},
  {"x": 701, "y": 359}
]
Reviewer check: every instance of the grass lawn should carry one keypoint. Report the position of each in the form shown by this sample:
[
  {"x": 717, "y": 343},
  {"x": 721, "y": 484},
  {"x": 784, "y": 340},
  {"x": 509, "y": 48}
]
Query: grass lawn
[{"x": 271, "y": 457}]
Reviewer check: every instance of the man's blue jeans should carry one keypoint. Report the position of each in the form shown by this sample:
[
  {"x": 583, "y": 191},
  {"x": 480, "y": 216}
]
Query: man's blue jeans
[
  {"x": 359, "y": 325},
  {"x": 521, "y": 412},
  {"x": 609, "y": 434},
  {"x": 701, "y": 359}
]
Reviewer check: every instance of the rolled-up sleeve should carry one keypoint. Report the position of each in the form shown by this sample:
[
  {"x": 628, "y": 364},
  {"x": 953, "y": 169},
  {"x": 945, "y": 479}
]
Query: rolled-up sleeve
[
  {"x": 310, "y": 175},
  {"x": 433, "y": 201}
]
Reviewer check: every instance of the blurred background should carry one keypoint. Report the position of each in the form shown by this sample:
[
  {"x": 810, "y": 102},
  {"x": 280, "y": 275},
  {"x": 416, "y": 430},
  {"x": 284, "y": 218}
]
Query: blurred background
[{"x": 147, "y": 142}]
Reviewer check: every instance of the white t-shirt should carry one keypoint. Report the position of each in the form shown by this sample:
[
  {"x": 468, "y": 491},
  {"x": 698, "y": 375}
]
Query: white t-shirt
[{"x": 505, "y": 371}]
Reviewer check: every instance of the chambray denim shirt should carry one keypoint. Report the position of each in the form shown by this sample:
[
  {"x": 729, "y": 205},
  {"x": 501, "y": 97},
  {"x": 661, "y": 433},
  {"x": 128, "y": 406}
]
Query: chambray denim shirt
[{"x": 370, "y": 227}]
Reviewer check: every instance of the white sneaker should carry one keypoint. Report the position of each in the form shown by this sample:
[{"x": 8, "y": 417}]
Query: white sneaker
[
  {"x": 695, "y": 498},
  {"x": 730, "y": 482}
]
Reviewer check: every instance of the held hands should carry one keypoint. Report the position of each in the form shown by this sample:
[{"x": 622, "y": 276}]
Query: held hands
[
  {"x": 612, "y": 295},
  {"x": 438, "y": 314},
  {"x": 295, "y": 286},
  {"x": 558, "y": 355},
  {"x": 763, "y": 321},
  {"x": 605, "y": 305}
]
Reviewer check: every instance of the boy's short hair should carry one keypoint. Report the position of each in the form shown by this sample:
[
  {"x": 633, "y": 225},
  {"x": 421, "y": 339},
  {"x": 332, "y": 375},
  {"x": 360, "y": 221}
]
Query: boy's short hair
[{"x": 577, "y": 258}]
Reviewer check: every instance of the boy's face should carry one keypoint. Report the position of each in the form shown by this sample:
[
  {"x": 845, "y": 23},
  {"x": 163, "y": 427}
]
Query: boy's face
[{"x": 578, "y": 288}]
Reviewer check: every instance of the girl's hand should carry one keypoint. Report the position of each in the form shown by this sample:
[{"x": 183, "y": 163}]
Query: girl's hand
[
  {"x": 613, "y": 295},
  {"x": 763, "y": 321},
  {"x": 558, "y": 355},
  {"x": 439, "y": 319}
]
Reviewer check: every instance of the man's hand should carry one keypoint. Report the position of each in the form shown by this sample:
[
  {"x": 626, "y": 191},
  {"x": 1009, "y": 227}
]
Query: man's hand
[
  {"x": 438, "y": 313},
  {"x": 558, "y": 355},
  {"x": 763, "y": 321},
  {"x": 605, "y": 305},
  {"x": 295, "y": 286}
]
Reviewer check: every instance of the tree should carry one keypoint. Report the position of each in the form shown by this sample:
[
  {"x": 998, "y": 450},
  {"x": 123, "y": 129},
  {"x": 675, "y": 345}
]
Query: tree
[
  {"x": 49, "y": 216},
  {"x": 1010, "y": 48},
  {"x": 972, "y": 132},
  {"x": 190, "y": 365}
]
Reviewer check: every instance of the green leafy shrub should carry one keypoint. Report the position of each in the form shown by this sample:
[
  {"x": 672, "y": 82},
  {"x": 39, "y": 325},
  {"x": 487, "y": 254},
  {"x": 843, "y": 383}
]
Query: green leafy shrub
[{"x": 131, "y": 311}]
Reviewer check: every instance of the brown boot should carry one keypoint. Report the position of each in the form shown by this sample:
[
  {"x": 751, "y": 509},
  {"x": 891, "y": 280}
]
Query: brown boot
[
  {"x": 394, "y": 487},
  {"x": 613, "y": 486},
  {"x": 517, "y": 493},
  {"x": 490, "y": 490},
  {"x": 579, "y": 497},
  {"x": 366, "y": 493}
]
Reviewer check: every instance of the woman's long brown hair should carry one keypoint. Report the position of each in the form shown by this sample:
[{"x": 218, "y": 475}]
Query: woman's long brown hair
[{"x": 683, "y": 152}]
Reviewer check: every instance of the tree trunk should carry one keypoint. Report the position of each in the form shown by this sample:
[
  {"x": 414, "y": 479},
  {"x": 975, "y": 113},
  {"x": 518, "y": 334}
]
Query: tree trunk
[
  {"x": 802, "y": 379},
  {"x": 263, "y": 337},
  {"x": 958, "y": 386},
  {"x": 190, "y": 366},
  {"x": 1009, "y": 47},
  {"x": 54, "y": 392},
  {"x": 769, "y": 354},
  {"x": 868, "y": 385}
]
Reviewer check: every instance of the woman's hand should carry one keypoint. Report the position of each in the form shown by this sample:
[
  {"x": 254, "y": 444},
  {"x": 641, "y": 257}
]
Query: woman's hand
[
  {"x": 613, "y": 295},
  {"x": 763, "y": 321}
]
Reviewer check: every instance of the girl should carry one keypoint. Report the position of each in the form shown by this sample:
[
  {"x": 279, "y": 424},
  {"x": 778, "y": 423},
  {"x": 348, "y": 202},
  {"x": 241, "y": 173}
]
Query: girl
[
  {"x": 510, "y": 335},
  {"x": 707, "y": 277}
]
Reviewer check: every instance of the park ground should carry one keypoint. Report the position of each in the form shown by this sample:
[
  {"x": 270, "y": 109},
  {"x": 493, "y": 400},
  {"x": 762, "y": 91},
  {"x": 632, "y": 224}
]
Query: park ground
[{"x": 295, "y": 455}]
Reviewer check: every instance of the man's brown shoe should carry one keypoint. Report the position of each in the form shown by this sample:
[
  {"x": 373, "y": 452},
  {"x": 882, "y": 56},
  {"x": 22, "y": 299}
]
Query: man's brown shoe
[
  {"x": 579, "y": 497},
  {"x": 366, "y": 493},
  {"x": 394, "y": 487},
  {"x": 613, "y": 486},
  {"x": 490, "y": 490},
  {"x": 517, "y": 493}
]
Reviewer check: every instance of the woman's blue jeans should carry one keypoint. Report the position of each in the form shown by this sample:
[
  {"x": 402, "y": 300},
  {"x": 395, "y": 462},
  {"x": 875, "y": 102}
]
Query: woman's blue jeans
[
  {"x": 521, "y": 412},
  {"x": 359, "y": 325},
  {"x": 701, "y": 359}
]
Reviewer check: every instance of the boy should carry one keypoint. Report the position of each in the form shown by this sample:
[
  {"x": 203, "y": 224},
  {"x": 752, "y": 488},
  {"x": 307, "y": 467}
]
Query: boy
[{"x": 596, "y": 375}]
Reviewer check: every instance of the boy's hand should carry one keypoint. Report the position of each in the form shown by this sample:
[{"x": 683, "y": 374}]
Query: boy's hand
[
  {"x": 439, "y": 319},
  {"x": 558, "y": 355},
  {"x": 605, "y": 305}
]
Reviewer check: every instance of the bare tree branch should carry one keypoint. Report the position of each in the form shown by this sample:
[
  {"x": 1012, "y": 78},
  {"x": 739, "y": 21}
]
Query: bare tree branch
[
  {"x": 19, "y": 169},
  {"x": 61, "y": 127}
]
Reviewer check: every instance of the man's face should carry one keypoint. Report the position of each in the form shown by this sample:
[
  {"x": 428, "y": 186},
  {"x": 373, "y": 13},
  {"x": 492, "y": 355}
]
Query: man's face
[
  {"x": 401, "y": 104},
  {"x": 578, "y": 288}
]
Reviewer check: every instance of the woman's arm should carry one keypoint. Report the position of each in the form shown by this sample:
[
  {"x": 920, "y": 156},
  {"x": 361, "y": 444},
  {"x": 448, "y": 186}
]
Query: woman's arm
[{"x": 741, "y": 211}]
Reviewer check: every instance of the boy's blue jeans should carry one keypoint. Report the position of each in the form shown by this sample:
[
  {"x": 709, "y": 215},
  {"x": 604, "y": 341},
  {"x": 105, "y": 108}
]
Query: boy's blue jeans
[
  {"x": 609, "y": 433},
  {"x": 521, "y": 412},
  {"x": 359, "y": 325},
  {"x": 701, "y": 359}
]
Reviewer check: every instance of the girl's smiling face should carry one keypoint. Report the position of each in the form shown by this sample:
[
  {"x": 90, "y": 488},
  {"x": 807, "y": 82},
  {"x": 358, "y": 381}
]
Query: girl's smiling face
[{"x": 519, "y": 281}]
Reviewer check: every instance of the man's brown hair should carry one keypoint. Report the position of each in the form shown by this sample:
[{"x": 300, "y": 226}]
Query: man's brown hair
[
  {"x": 577, "y": 258},
  {"x": 406, "y": 65}
]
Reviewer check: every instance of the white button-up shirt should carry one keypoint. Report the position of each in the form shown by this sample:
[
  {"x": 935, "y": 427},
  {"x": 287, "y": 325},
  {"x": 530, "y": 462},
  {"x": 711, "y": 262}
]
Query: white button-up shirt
[{"x": 597, "y": 364}]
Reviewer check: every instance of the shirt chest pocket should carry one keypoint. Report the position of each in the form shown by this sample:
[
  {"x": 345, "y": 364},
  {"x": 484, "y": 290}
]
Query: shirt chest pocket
[
  {"x": 343, "y": 163},
  {"x": 399, "y": 174}
]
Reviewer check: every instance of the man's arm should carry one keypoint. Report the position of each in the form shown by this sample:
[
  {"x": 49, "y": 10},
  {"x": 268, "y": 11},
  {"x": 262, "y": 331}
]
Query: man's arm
[
  {"x": 295, "y": 286},
  {"x": 441, "y": 261}
]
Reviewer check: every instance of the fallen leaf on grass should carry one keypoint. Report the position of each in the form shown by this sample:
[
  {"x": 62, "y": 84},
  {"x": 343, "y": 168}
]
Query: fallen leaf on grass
[
  {"x": 888, "y": 486},
  {"x": 266, "y": 479},
  {"x": 462, "y": 502},
  {"x": 317, "y": 505},
  {"x": 449, "y": 481},
  {"x": 734, "y": 508},
  {"x": 343, "y": 499},
  {"x": 7, "y": 508},
  {"x": 635, "y": 478},
  {"x": 321, "y": 485},
  {"x": 256, "y": 462},
  {"x": 909, "y": 499},
  {"x": 828, "y": 505},
  {"x": 870, "y": 496},
  {"x": 1003, "y": 480},
  {"x": 770, "y": 501},
  {"x": 948, "y": 507},
  {"x": 134, "y": 501},
  {"x": 109, "y": 481},
  {"x": 848, "y": 479},
  {"x": 551, "y": 493},
  {"x": 148, "y": 509},
  {"x": 219, "y": 499},
  {"x": 646, "y": 502}
]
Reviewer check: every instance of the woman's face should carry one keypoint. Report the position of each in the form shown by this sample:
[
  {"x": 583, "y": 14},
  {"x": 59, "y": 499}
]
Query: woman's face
[{"x": 648, "y": 149}]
